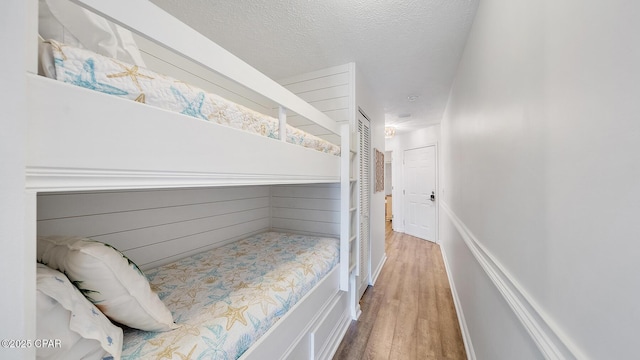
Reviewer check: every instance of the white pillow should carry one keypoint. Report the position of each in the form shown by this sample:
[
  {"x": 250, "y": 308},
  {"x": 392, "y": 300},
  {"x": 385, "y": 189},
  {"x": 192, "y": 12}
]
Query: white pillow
[
  {"x": 71, "y": 24},
  {"x": 108, "y": 279},
  {"x": 77, "y": 328}
]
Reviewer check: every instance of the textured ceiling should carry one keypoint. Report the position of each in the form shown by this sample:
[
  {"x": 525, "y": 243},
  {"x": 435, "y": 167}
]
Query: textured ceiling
[{"x": 401, "y": 47}]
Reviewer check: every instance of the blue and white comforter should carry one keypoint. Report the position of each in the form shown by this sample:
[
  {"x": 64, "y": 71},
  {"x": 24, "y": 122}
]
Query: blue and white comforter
[
  {"x": 226, "y": 298},
  {"x": 96, "y": 72}
]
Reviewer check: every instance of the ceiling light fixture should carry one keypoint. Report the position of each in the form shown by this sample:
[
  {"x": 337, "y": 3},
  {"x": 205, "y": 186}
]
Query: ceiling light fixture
[
  {"x": 389, "y": 132},
  {"x": 412, "y": 98}
]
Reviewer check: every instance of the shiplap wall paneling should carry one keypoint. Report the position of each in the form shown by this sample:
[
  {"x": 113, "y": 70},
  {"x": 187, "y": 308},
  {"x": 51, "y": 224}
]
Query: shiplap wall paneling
[
  {"x": 330, "y": 91},
  {"x": 166, "y": 62},
  {"x": 312, "y": 209},
  {"x": 159, "y": 226}
]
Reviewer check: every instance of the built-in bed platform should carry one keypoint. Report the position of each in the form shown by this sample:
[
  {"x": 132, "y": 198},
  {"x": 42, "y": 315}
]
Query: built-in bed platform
[
  {"x": 225, "y": 299},
  {"x": 81, "y": 140}
]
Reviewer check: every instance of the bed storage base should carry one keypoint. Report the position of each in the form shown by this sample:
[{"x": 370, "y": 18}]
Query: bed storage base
[{"x": 311, "y": 329}]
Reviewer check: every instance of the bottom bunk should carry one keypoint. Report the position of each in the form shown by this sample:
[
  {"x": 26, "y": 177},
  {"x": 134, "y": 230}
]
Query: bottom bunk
[
  {"x": 271, "y": 295},
  {"x": 227, "y": 298}
]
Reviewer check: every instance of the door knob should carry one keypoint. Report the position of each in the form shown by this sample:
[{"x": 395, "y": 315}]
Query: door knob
[{"x": 433, "y": 196}]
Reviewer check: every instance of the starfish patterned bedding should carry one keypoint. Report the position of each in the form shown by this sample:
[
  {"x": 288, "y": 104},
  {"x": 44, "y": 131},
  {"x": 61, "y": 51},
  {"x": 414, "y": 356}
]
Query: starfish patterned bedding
[
  {"x": 226, "y": 298},
  {"x": 96, "y": 72}
]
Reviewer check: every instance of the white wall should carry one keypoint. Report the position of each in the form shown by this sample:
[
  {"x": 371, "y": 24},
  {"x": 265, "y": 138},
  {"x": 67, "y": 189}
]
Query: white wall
[
  {"x": 388, "y": 174},
  {"x": 311, "y": 209},
  {"x": 540, "y": 180},
  {"x": 339, "y": 91},
  {"x": 156, "y": 227},
  {"x": 397, "y": 145},
  {"x": 166, "y": 62},
  {"x": 330, "y": 90},
  {"x": 17, "y": 305}
]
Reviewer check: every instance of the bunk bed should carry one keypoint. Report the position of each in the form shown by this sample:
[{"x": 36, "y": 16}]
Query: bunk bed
[
  {"x": 117, "y": 152},
  {"x": 85, "y": 140}
]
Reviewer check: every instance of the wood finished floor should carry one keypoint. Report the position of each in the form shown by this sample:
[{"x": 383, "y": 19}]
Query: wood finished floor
[{"x": 409, "y": 313}]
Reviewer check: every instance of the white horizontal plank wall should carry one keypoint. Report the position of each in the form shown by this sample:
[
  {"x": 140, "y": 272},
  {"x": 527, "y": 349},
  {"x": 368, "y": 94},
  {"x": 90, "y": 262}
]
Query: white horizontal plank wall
[
  {"x": 164, "y": 61},
  {"x": 330, "y": 90},
  {"x": 171, "y": 33},
  {"x": 155, "y": 227},
  {"x": 310, "y": 209}
]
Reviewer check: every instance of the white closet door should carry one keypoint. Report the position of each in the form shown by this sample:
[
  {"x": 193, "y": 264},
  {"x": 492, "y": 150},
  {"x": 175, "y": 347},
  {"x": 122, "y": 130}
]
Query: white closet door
[{"x": 365, "y": 194}]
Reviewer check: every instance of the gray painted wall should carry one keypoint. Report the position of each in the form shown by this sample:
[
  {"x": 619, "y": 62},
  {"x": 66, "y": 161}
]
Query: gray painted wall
[{"x": 540, "y": 180}]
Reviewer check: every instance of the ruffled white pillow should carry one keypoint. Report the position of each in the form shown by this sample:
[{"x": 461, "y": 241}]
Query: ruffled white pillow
[
  {"x": 109, "y": 279},
  {"x": 71, "y": 24},
  {"x": 77, "y": 328}
]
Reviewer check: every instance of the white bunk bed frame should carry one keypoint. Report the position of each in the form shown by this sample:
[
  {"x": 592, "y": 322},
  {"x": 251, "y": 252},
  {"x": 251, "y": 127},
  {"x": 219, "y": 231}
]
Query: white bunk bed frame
[{"x": 100, "y": 142}]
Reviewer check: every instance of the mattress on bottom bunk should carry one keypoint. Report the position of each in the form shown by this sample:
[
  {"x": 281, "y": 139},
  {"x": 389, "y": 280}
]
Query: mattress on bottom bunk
[
  {"x": 96, "y": 72},
  {"x": 226, "y": 298}
]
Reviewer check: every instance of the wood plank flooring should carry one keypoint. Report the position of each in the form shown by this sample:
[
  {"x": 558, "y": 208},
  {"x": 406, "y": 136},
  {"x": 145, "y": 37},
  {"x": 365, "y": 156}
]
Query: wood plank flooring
[{"x": 409, "y": 313}]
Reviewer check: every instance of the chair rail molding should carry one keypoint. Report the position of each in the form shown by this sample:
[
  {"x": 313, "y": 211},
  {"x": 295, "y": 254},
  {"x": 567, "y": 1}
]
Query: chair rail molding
[{"x": 550, "y": 340}]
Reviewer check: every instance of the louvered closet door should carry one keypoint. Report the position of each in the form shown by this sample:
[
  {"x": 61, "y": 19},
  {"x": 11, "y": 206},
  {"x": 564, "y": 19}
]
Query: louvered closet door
[{"x": 365, "y": 194}]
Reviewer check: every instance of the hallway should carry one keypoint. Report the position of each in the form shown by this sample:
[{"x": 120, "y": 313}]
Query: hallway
[{"x": 409, "y": 313}]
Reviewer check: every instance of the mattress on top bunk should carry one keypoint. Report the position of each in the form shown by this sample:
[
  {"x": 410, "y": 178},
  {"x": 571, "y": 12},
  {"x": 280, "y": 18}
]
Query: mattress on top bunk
[
  {"x": 226, "y": 298},
  {"x": 96, "y": 72}
]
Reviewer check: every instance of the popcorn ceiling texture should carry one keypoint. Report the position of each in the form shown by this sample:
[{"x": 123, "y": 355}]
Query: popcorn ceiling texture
[{"x": 401, "y": 47}]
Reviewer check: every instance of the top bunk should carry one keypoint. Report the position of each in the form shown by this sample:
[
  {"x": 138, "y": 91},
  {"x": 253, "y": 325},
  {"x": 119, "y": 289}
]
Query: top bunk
[{"x": 83, "y": 139}]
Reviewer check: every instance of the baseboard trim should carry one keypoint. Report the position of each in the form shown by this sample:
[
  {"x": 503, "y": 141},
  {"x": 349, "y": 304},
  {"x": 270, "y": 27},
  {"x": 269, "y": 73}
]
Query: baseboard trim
[
  {"x": 466, "y": 336},
  {"x": 336, "y": 338},
  {"x": 374, "y": 276},
  {"x": 550, "y": 340}
]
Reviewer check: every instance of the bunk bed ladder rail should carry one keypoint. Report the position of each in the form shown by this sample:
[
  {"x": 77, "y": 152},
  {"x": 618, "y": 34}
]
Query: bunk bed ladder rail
[
  {"x": 345, "y": 206},
  {"x": 349, "y": 210}
]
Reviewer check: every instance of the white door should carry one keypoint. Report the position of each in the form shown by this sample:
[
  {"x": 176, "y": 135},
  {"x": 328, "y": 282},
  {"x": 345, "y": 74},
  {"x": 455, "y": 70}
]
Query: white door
[
  {"x": 365, "y": 191},
  {"x": 420, "y": 192}
]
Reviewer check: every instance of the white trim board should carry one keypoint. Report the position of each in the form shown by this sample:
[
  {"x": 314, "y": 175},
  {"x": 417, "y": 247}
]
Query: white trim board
[
  {"x": 43, "y": 179},
  {"x": 550, "y": 340},
  {"x": 376, "y": 273},
  {"x": 466, "y": 336}
]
